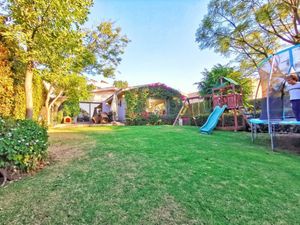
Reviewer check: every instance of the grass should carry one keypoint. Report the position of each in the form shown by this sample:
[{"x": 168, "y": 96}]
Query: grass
[{"x": 156, "y": 175}]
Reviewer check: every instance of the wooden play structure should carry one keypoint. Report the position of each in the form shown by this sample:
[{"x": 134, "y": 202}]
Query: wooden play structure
[
  {"x": 229, "y": 93},
  {"x": 226, "y": 93},
  {"x": 189, "y": 106}
]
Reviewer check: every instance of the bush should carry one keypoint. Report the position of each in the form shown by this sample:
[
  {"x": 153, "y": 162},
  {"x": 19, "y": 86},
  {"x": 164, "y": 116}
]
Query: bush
[
  {"x": 23, "y": 144},
  {"x": 151, "y": 119},
  {"x": 228, "y": 119},
  {"x": 136, "y": 121},
  {"x": 168, "y": 119},
  {"x": 154, "y": 119}
]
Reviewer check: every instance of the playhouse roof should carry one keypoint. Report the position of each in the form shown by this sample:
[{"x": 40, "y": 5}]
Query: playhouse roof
[
  {"x": 231, "y": 81},
  {"x": 226, "y": 80}
]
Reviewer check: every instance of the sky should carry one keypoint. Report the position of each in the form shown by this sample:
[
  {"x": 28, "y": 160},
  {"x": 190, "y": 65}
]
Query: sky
[{"x": 162, "y": 34}]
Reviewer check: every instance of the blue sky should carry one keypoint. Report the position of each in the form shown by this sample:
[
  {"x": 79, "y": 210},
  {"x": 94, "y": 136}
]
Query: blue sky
[{"x": 162, "y": 34}]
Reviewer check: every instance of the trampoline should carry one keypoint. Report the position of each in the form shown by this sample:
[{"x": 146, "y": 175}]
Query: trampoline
[{"x": 275, "y": 106}]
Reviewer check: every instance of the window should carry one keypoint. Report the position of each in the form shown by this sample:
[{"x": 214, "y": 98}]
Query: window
[{"x": 157, "y": 106}]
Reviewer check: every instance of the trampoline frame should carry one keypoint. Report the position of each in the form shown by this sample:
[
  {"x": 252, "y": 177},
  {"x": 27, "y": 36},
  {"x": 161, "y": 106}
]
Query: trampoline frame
[{"x": 271, "y": 122}]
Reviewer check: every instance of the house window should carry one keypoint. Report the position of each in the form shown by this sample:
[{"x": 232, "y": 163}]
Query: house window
[{"x": 157, "y": 106}]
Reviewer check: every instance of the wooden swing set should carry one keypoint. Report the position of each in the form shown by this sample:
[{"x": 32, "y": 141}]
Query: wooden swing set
[
  {"x": 187, "y": 105},
  {"x": 228, "y": 93}
]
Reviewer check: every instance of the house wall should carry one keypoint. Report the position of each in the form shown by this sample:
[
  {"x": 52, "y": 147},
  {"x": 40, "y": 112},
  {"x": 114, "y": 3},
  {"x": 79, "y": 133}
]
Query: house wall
[
  {"x": 97, "y": 97},
  {"x": 105, "y": 107},
  {"x": 101, "y": 95},
  {"x": 122, "y": 109}
]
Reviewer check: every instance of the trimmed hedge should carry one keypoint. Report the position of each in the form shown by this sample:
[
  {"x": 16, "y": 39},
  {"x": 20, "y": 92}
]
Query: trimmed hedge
[
  {"x": 23, "y": 144},
  {"x": 151, "y": 119}
]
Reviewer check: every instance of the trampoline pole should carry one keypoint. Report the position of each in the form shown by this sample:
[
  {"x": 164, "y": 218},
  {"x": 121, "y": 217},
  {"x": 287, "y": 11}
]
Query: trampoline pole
[
  {"x": 272, "y": 136},
  {"x": 255, "y": 99},
  {"x": 252, "y": 132},
  {"x": 270, "y": 128}
]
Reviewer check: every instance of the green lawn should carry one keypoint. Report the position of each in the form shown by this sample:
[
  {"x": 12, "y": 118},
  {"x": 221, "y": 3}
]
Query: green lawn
[{"x": 156, "y": 175}]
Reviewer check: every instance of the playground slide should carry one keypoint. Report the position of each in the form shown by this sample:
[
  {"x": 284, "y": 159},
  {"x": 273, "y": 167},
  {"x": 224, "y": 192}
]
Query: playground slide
[{"x": 212, "y": 120}]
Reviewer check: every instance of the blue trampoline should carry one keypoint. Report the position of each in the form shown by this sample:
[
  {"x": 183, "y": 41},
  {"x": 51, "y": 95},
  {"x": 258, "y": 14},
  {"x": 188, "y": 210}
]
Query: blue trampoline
[{"x": 276, "y": 108}]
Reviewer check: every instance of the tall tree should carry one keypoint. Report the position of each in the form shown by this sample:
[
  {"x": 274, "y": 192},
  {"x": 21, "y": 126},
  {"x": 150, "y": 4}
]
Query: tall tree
[
  {"x": 107, "y": 44},
  {"x": 250, "y": 29},
  {"x": 279, "y": 18},
  {"x": 211, "y": 79},
  {"x": 96, "y": 52},
  {"x": 43, "y": 30}
]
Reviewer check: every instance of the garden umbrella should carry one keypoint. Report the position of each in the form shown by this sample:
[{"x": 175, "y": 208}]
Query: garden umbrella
[{"x": 114, "y": 107}]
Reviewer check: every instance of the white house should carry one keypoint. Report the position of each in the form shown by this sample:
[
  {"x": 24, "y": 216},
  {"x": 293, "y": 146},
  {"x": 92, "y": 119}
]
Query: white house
[{"x": 102, "y": 91}]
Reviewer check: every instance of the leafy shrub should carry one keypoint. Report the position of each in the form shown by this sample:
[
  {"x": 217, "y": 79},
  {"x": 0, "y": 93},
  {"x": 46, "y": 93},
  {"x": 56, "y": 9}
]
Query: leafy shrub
[
  {"x": 151, "y": 119},
  {"x": 136, "y": 121},
  {"x": 228, "y": 119},
  {"x": 154, "y": 119},
  {"x": 23, "y": 143},
  {"x": 168, "y": 119}
]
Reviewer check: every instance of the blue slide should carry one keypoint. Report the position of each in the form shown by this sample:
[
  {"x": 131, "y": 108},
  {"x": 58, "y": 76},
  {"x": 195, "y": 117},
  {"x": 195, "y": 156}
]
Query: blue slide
[{"x": 212, "y": 120}]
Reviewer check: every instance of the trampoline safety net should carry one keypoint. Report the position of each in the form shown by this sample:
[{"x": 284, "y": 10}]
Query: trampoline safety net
[{"x": 273, "y": 72}]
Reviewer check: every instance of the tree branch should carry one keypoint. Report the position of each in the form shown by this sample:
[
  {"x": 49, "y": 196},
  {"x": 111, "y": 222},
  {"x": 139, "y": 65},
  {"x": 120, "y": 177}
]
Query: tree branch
[{"x": 56, "y": 98}]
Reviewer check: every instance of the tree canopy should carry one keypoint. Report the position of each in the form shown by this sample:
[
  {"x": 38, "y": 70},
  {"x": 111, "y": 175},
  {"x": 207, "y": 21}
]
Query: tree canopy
[
  {"x": 45, "y": 32},
  {"x": 48, "y": 39},
  {"x": 249, "y": 29},
  {"x": 211, "y": 79}
]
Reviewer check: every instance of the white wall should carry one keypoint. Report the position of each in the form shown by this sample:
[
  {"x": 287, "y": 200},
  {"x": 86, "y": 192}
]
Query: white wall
[
  {"x": 101, "y": 96},
  {"x": 122, "y": 109},
  {"x": 105, "y": 107}
]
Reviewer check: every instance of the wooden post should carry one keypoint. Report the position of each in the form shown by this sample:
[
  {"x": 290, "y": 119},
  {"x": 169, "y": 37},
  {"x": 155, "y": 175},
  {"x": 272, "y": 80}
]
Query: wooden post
[
  {"x": 235, "y": 120},
  {"x": 223, "y": 121},
  {"x": 191, "y": 111},
  {"x": 178, "y": 115}
]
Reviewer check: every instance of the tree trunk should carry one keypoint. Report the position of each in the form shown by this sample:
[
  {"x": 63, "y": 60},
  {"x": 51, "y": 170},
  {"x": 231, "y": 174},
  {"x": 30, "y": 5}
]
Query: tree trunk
[
  {"x": 28, "y": 90},
  {"x": 48, "y": 112},
  {"x": 49, "y": 105}
]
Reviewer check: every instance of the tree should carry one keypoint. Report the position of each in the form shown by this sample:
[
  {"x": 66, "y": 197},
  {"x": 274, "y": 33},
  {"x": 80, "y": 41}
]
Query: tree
[
  {"x": 250, "y": 29},
  {"x": 46, "y": 31},
  {"x": 70, "y": 89},
  {"x": 120, "y": 84},
  {"x": 211, "y": 79},
  {"x": 97, "y": 52},
  {"x": 279, "y": 18},
  {"x": 75, "y": 95},
  {"x": 106, "y": 44}
]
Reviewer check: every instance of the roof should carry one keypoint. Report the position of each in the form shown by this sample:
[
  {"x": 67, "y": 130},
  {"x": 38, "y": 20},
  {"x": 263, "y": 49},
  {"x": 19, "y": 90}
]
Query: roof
[
  {"x": 193, "y": 94},
  {"x": 99, "y": 83},
  {"x": 230, "y": 80},
  {"x": 105, "y": 89},
  {"x": 224, "y": 84}
]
